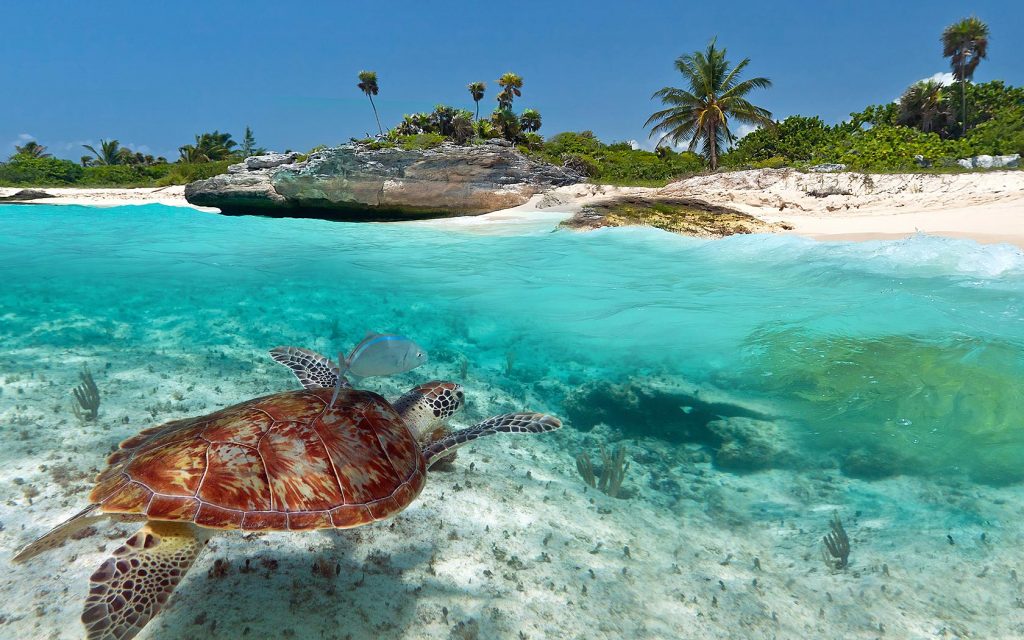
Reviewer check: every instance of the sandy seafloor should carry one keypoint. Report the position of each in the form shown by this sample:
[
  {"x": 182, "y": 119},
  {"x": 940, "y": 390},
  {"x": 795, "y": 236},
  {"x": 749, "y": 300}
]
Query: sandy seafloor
[{"x": 509, "y": 544}]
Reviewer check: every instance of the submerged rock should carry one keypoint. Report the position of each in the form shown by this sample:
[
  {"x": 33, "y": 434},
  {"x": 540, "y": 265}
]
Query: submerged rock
[
  {"x": 355, "y": 182},
  {"x": 739, "y": 437}
]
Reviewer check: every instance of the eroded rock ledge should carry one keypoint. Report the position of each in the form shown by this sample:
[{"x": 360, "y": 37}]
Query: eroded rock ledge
[{"x": 354, "y": 182}]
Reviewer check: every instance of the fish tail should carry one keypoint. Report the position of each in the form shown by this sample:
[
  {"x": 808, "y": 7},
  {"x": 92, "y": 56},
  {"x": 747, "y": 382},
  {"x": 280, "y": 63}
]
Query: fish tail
[{"x": 343, "y": 366}]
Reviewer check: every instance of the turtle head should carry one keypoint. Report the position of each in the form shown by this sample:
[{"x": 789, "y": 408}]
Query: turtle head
[{"x": 430, "y": 404}]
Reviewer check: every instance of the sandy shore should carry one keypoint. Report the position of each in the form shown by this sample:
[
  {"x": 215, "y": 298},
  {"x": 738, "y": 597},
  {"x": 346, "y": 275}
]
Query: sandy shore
[
  {"x": 986, "y": 207},
  {"x": 173, "y": 196}
]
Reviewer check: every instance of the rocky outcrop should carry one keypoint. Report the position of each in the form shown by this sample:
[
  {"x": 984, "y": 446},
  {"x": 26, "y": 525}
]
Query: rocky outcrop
[
  {"x": 355, "y": 182},
  {"x": 25, "y": 195}
]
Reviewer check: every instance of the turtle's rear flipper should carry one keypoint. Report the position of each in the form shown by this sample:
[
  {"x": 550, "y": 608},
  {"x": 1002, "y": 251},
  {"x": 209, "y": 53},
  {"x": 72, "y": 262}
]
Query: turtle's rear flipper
[
  {"x": 133, "y": 584},
  {"x": 508, "y": 423},
  {"x": 314, "y": 371},
  {"x": 60, "y": 533}
]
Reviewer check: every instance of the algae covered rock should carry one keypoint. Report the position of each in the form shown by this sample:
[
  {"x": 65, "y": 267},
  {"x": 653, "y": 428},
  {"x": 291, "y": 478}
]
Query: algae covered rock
[
  {"x": 660, "y": 408},
  {"x": 747, "y": 444}
]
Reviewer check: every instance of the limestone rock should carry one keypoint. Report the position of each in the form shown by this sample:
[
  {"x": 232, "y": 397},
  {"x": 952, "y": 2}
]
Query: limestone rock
[
  {"x": 355, "y": 182},
  {"x": 270, "y": 160},
  {"x": 990, "y": 162},
  {"x": 828, "y": 168}
]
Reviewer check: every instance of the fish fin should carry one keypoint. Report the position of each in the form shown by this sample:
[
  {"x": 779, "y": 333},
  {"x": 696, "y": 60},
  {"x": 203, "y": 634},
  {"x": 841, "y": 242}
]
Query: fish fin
[{"x": 341, "y": 380}]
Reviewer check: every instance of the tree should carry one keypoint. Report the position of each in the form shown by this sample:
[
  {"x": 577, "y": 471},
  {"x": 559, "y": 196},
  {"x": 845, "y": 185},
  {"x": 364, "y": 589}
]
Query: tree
[
  {"x": 249, "y": 147},
  {"x": 506, "y": 122},
  {"x": 477, "y": 89},
  {"x": 368, "y": 85},
  {"x": 965, "y": 43},
  {"x": 31, "y": 149},
  {"x": 530, "y": 120},
  {"x": 924, "y": 106},
  {"x": 209, "y": 147},
  {"x": 510, "y": 84},
  {"x": 700, "y": 114},
  {"x": 110, "y": 153}
]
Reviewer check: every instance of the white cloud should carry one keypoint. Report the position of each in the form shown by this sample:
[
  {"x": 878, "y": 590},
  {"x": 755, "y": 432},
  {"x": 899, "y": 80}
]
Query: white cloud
[
  {"x": 633, "y": 144},
  {"x": 22, "y": 139},
  {"x": 942, "y": 77},
  {"x": 745, "y": 129}
]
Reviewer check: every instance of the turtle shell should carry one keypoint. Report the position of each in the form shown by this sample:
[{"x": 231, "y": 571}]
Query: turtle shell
[{"x": 281, "y": 462}]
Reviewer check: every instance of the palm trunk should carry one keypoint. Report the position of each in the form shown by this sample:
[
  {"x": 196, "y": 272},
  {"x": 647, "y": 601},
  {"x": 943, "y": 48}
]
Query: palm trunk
[
  {"x": 379, "y": 128},
  {"x": 477, "y": 110},
  {"x": 713, "y": 142},
  {"x": 963, "y": 104}
]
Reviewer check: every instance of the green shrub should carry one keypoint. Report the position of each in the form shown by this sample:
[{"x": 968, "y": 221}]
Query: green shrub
[
  {"x": 421, "y": 141},
  {"x": 797, "y": 139},
  {"x": 184, "y": 172},
  {"x": 114, "y": 175},
  {"x": 1003, "y": 134},
  {"x": 619, "y": 162},
  {"x": 775, "y": 162},
  {"x": 26, "y": 171},
  {"x": 890, "y": 148}
]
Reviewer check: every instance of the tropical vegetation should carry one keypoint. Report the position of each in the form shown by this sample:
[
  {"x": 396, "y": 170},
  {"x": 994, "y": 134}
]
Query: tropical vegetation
[
  {"x": 110, "y": 164},
  {"x": 965, "y": 43},
  {"x": 700, "y": 113},
  {"x": 931, "y": 125},
  {"x": 368, "y": 85}
]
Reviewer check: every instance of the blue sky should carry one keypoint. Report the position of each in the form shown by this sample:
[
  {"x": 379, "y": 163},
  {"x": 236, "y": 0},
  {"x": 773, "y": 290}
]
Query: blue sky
[{"x": 152, "y": 75}]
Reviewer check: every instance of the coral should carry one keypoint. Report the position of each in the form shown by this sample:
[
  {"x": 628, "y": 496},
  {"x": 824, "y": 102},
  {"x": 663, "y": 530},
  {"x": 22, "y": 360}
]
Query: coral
[
  {"x": 613, "y": 471},
  {"x": 836, "y": 550},
  {"x": 87, "y": 398}
]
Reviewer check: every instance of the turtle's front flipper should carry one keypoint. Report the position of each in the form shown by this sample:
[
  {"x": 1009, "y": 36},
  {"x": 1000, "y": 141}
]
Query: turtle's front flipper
[
  {"x": 133, "y": 584},
  {"x": 313, "y": 370},
  {"x": 60, "y": 533},
  {"x": 508, "y": 423}
]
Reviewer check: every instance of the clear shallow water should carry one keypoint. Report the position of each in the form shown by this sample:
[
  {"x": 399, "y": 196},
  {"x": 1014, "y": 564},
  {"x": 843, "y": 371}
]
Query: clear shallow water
[
  {"x": 884, "y": 358},
  {"x": 877, "y": 380}
]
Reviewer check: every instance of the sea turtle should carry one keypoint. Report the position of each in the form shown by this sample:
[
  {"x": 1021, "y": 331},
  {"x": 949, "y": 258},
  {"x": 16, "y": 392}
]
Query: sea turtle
[{"x": 283, "y": 462}]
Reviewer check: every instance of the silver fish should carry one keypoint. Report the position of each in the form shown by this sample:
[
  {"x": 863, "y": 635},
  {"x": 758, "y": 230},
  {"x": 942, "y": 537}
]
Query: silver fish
[{"x": 379, "y": 355}]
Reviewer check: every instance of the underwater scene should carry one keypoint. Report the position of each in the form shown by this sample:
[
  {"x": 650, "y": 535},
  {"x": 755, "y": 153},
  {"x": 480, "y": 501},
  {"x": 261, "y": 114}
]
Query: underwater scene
[{"x": 763, "y": 436}]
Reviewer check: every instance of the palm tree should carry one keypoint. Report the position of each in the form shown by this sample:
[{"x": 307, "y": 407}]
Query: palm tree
[
  {"x": 700, "y": 113},
  {"x": 924, "y": 106},
  {"x": 209, "y": 147},
  {"x": 477, "y": 89},
  {"x": 965, "y": 43},
  {"x": 530, "y": 120},
  {"x": 110, "y": 152},
  {"x": 510, "y": 84},
  {"x": 32, "y": 149},
  {"x": 368, "y": 85}
]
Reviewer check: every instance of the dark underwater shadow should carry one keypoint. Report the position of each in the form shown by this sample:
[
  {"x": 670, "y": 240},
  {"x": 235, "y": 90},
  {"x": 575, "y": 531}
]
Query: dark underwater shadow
[{"x": 349, "y": 588}]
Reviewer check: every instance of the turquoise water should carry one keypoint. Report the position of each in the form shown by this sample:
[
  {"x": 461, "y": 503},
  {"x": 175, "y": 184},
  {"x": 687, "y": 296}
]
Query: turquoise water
[
  {"x": 756, "y": 383},
  {"x": 908, "y": 353}
]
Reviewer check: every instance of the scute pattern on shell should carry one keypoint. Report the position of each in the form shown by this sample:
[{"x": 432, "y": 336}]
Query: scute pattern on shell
[{"x": 283, "y": 461}]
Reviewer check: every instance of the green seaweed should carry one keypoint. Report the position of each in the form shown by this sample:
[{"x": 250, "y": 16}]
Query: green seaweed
[{"x": 902, "y": 404}]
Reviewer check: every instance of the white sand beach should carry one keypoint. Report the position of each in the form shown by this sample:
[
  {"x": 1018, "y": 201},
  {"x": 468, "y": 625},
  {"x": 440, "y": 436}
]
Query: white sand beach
[{"x": 986, "y": 207}]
